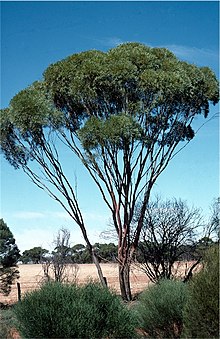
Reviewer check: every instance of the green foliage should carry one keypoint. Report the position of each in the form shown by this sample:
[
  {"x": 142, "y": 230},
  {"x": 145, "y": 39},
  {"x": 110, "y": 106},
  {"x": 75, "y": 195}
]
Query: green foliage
[
  {"x": 68, "y": 311},
  {"x": 106, "y": 252},
  {"x": 34, "y": 110},
  {"x": 160, "y": 309},
  {"x": 34, "y": 255},
  {"x": 117, "y": 130},
  {"x": 9, "y": 255},
  {"x": 8, "y": 322},
  {"x": 82, "y": 256},
  {"x": 130, "y": 71},
  {"x": 113, "y": 97},
  {"x": 29, "y": 112},
  {"x": 78, "y": 254},
  {"x": 201, "y": 314}
]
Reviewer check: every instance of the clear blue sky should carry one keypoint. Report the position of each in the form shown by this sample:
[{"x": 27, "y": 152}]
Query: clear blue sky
[{"x": 36, "y": 34}]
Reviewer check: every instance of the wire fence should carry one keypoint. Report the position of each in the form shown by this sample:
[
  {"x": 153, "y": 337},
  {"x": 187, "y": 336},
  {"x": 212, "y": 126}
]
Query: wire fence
[
  {"x": 32, "y": 277},
  {"x": 17, "y": 290},
  {"x": 86, "y": 272}
]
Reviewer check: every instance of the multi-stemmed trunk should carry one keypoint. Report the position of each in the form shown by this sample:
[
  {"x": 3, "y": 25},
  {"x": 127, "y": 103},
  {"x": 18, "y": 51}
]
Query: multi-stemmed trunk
[{"x": 124, "y": 281}]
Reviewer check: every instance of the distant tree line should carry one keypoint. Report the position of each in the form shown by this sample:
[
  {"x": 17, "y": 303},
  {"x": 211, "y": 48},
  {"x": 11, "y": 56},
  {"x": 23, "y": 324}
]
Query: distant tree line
[
  {"x": 107, "y": 252},
  {"x": 77, "y": 254}
]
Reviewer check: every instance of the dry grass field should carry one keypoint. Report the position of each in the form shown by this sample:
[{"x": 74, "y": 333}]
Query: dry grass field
[{"x": 31, "y": 277}]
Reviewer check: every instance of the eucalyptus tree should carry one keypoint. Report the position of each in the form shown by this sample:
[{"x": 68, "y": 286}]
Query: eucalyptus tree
[{"x": 123, "y": 113}]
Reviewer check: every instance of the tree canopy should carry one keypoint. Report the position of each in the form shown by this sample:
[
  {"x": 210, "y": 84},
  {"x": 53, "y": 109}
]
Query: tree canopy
[
  {"x": 132, "y": 92},
  {"x": 34, "y": 255},
  {"x": 123, "y": 113}
]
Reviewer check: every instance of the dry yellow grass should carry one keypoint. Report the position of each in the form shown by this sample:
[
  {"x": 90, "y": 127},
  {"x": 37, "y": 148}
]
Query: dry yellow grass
[{"x": 31, "y": 277}]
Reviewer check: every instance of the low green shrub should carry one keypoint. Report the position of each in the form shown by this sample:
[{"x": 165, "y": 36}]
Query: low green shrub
[
  {"x": 160, "y": 309},
  {"x": 8, "y": 322},
  {"x": 201, "y": 314},
  {"x": 69, "y": 311},
  {"x": 4, "y": 326}
]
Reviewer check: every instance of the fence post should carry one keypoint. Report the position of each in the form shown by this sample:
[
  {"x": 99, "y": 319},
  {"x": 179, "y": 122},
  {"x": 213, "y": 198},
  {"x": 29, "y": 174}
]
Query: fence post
[
  {"x": 105, "y": 280},
  {"x": 19, "y": 291}
]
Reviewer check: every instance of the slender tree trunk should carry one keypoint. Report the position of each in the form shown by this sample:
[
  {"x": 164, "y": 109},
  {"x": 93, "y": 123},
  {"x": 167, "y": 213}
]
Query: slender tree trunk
[
  {"x": 99, "y": 270},
  {"x": 124, "y": 280},
  {"x": 127, "y": 281},
  {"x": 93, "y": 254},
  {"x": 124, "y": 262}
]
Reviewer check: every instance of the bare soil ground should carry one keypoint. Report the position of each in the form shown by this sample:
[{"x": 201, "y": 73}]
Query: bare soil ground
[{"x": 31, "y": 277}]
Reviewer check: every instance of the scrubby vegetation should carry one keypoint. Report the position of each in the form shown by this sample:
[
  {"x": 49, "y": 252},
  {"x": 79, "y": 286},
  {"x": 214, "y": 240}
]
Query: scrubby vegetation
[
  {"x": 69, "y": 311},
  {"x": 160, "y": 309},
  {"x": 8, "y": 322},
  {"x": 168, "y": 309},
  {"x": 201, "y": 315}
]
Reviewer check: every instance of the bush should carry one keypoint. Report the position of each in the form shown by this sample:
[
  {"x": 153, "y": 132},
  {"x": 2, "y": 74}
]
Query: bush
[
  {"x": 201, "y": 314},
  {"x": 160, "y": 309},
  {"x": 68, "y": 311},
  {"x": 8, "y": 322}
]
